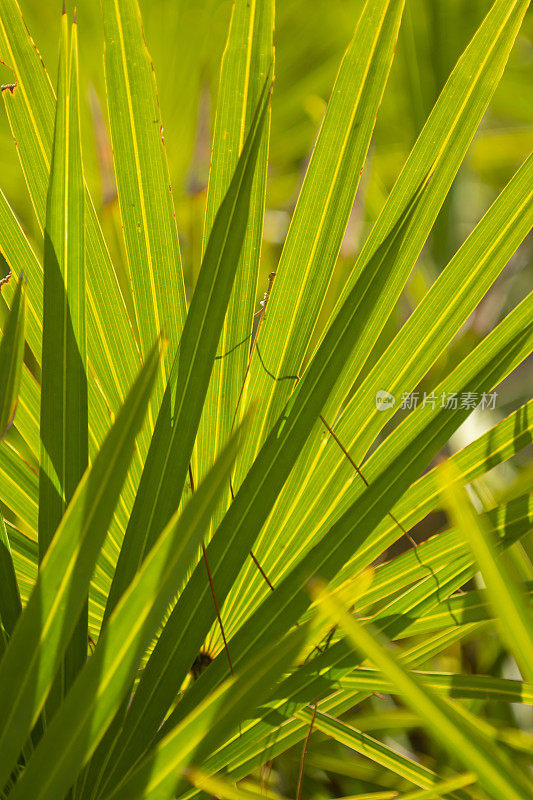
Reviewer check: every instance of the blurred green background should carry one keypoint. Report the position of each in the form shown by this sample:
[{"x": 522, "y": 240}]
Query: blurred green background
[{"x": 186, "y": 39}]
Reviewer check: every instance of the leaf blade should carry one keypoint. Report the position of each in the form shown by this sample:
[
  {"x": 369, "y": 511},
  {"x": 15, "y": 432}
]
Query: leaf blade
[
  {"x": 143, "y": 182},
  {"x": 22, "y": 693},
  {"x": 81, "y": 722},
  {"x": 493, "y": 768},
  {"x": 11, "y": 356},
  {"x": 505, "y": 595},
  {"x": 64, "y": 410}
]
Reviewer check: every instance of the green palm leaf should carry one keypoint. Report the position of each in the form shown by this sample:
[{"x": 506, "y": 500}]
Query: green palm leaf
[
  {"x": 141, "y": 564},
  {"x": 143, "y": 182},
  {"x": 47, "y": 624},
  {"x": 64, "y": 413},
  {"x": 78, "y": 725},
  {"x": 11, "y": 355},
  {"x": 494, "y": 770}
]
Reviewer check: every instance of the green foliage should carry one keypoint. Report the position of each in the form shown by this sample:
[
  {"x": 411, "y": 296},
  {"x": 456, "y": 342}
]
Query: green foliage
[{"x": 204, "y": 510}]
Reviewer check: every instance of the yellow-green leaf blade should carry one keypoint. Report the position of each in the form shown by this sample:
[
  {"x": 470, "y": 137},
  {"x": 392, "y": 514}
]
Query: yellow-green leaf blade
[
  {"x": 492, "y": 766},
  {"x": 248, "y": 58},
  {"x": 64, "y": 428},
  {"x": 320, "y": 218},
  {"x": 506, "y": 597},
  {"x": 95, "y": 697},
  {"x": 11, "y": 355},
  {"x": 10, "y": 605},
  {"x": 44, "y": 629},
  {"x": 143, "y": 182}
]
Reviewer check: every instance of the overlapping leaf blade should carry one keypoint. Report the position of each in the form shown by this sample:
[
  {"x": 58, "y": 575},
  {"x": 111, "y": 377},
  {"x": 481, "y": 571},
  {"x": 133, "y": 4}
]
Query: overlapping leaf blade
[
  {"x": 64, "y": 414},
  {"x": 31, "y": 111},
  {"x": 10, "y": 605},
  {"x": 349, "y": 534},
  {"x": 319, "y": 487},
  {"x": 95, "y": 697},
  {"x": 435, "y": 160},
  {"x": 11, "y": 355},
  {"x": 45, "y": 628},
  {"x": 505, "y": 595},
  {"x": 21, "y": 259},
  {"x": 248, "y": 58},
  {"x": 320, "y": 218},
  {"x": 390, "y": 471},
  {"x": 170, "y": 452},
  {"x": 113, "y": 353},
  {"x": 158, "y": 775},
  {"x": 493, "y": 767},
  {"x": 143, "y": 182}
]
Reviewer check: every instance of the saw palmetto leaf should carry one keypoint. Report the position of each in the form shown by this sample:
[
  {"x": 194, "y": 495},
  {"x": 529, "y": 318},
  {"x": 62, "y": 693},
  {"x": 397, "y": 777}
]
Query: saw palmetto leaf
[
  {"x": 157, "y": 776},
  {"x": 143, "y": 182},
  {"x": 494, "y": 769},
  {"x": 320, "y": 217},
  {"x": 171, "y": 448},
  {"x": 305, "y": 504},
  {"x": 78, "y": 725},
  {"x": 10, "y": 605},
  {"x": 505, "y": 595},
  {"x": 64, "y": 412},
  {"x": 142, "y": 564},
  {"x": 31, "y": 113},
  {"x": 432, "y": 164},
  {"x": 11, "y": 355},
  {"x": 402, "y": 455},
  {"x": 45, "y": 628},
  {"x": 248, "y": 58}
]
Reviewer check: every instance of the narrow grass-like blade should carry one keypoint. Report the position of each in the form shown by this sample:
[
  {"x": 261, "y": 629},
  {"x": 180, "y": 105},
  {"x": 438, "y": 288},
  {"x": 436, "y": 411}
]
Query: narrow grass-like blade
[
  {"x": 143, "y": 183},
  {"x": 10, "y": 605},
  {"x": 312, "y": 680},
  {"x": 391, "y": 469},
  {"x": 318, "y": 487},
  {"x": 112, "y": 350},
  {"x": 247, "y": 59},
  {"x": 320, "y": 218},
  {"x": 64, "y": 411},
  {"x": 506, "y": 597},
  {"x": 494, "y": 769},
  {"x": 20, "y": 487},
  {"x": 472, "y": 687},
  {"x": 378, "y": 752},
  {"x": 46, "y": 625},
  {"x": 101, "y": 686},
  {"x": 194, "y": 612},
  {"x": 25, "y": 559},
  {"x": 435, "y": 553},
  {"x": 434, "y": 160},
  {"x": 219, "y": 714},
  {"x": 11, "y": 355},
  {"x": 171, "y": 449},
  {"x": 20, "y": 258}
]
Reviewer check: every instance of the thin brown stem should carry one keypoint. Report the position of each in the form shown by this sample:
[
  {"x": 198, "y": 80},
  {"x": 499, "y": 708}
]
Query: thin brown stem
[
  {"x": 358, "y": 470},
  {"x": 261, "y": 315},
  {"x": 221, "y": 626},
  {"x": 304, "y": 752},
  {"x": 211, "y": 586}
]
